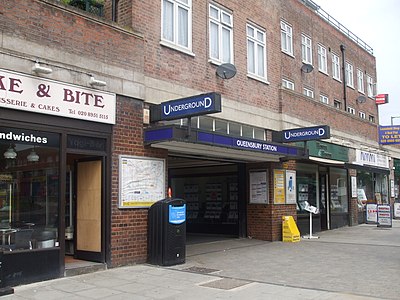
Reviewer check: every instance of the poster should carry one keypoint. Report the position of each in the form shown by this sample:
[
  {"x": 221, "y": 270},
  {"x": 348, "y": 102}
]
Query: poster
[
  {"x": 396, "y": 207},
  {"x": 371, "y": 211},
  {"x": 290, "y": 187},
  {"x": 141, "y": 181},
  {"x": 354, "y": 192},
  {"x": 259, "y": 187},
  {"x": 279, "y": 186},
  {"x": 392, "y": 194},
  {"x": 384, "y": 216}
]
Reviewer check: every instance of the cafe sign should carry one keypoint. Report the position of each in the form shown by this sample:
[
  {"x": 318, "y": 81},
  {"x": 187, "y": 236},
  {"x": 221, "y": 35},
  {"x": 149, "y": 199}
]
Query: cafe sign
[{"x": 45, "y": 96}]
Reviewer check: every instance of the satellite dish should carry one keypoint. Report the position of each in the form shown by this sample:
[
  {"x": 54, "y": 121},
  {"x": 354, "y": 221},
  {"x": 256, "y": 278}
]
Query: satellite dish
[
  {"x": 361, "y": 99},
  {"x": 307, "y": 68},
  {"x": 226, "y": 71}
]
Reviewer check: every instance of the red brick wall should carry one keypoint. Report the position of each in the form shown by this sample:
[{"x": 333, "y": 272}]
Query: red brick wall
[{"x": 128, "y": 226}]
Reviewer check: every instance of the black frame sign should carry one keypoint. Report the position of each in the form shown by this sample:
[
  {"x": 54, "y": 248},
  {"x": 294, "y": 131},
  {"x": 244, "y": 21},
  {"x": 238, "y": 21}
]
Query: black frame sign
[
  {"x": 186, "y": 107},
  {"x": 302, "y": 134}
]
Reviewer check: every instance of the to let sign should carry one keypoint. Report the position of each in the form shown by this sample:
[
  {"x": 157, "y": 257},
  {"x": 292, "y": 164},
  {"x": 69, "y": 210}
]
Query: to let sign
[
  {"x": 41, "y": 95},
  {"x": 389, "y": 135}
]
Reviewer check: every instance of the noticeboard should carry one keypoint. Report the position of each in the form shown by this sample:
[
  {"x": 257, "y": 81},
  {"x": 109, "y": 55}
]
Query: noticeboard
[
  {"x": 371, "y": 211},
  {"x": 259, "y": 187},
  {"x": 384, "y": 215}
]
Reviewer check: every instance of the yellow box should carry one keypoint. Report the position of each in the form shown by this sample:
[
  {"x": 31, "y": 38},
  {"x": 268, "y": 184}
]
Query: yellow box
[{"x": 290, "y": 232}]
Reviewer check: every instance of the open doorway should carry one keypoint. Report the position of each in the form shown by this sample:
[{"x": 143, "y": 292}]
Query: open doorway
[{"x": 84, "y": 206}]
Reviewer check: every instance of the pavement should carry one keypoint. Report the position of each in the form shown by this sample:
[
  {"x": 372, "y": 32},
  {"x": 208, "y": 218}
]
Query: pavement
[{"x": 359, "y": 262}]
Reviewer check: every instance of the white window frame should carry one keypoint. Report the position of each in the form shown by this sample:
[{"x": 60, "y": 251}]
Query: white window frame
[
  {"x": 224, "y": 23},
  {"x": 370, "y": 86},
  {"x": 308, "y": 92},
  {"x": 287, "y": 84},
  {"x": 349, "y": 75},
  {"x": 174, "y": 41},
  {"x": 306, "y": 49},
  {"x": 259, "y": 55},
  {"x": 286, "y": 38},
  {"x": 362, "y": 115},
  {"x": 324, "y": 99},
  {"x": 351, "y": 110},
  {"x": 371, "y": 119},
  {"x": 335, "y": 66},
  {"x": 322, "y": 59},
  {"x": 360, "y": 81},
  {"x": 337, "y": 104}
]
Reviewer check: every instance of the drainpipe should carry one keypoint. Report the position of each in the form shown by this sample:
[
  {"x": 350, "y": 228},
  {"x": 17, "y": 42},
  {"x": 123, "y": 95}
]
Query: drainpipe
[
  {"x": 114, "y": 10},
  {"x": 343, "y": 48}
]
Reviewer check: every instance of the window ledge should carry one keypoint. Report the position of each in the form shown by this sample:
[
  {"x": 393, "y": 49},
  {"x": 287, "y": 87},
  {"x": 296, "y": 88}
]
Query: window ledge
[
  {"x": 177, "y": 48},
  {"x": 288, "y": 54},
  {"x": 323, "y": 72},
  {"x": 258, "y": 78},
  {"x": 338, "y": 80}
]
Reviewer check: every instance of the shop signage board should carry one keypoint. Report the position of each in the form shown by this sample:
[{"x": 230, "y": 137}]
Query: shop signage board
[
  {"x": 186, "y": 107},
  {"x": 381, "y": 99},
  {"x": 372, "y": 213},
  {"x": 303, "y": 134},
  {"x": 45, "y": 96},
  {"x": 141, "y": 181},
  {"x": 389, "y": 135},
  {"x": 396, "y": 212},
  {"x": 29, "y": 137},
  {"x": 327, "y": 150},
  {"x": 258, "y": 187},
  {"x": 371, "y": 159},
  {"x": 384, "y": 216},
  {"x": 279, "y": 186},
  {"x": 290, "y": 187}
]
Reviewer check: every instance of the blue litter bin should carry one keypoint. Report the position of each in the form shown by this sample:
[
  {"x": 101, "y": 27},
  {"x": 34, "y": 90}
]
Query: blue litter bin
[{"x": 167, "y": 232}]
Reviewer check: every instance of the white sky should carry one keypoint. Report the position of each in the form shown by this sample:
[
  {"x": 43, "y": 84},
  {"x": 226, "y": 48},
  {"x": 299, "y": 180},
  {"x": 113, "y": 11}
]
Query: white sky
[{"x": 376, "y": 22}]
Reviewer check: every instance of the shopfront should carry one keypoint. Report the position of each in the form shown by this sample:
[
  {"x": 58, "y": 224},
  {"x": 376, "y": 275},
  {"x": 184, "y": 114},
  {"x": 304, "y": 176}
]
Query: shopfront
[{"x": 53, "y": 178}]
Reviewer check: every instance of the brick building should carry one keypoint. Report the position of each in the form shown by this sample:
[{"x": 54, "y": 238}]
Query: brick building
[{"x": 84, "y": 159}]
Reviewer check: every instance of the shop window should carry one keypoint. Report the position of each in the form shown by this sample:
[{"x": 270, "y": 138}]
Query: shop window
[
  {"x": 338, "y": 190},
  {"x": 306, "y": 181},
  {"x": 381, "y": 189},
  {"x": 29, "y": 190}
]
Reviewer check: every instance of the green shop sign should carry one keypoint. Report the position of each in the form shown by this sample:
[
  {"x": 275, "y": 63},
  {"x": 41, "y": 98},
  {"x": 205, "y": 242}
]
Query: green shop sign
[{"x": 326, "y": 150}]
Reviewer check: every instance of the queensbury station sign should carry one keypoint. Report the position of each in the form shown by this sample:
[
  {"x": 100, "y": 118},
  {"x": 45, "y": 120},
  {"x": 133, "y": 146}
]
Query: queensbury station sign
[
  {"x": 302, "y": 134},
  {"x": 186, "y": 107}
]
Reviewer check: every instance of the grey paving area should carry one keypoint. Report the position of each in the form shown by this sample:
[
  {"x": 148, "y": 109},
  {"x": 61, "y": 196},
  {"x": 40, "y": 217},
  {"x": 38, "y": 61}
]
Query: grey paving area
[{"x": 360, "y": 262}]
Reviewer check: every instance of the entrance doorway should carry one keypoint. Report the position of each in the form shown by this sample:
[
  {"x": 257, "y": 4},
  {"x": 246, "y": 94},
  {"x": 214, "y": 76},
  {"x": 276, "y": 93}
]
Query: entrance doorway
[
  {"x": 323, "y": 198},
  {"x": 84, "y": 221}
]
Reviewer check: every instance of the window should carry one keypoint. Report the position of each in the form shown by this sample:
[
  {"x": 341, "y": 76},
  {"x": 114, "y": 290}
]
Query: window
[
  {"x": 360, "y": 81},
  {"x": 351, "y": 110},
  {"x": 349, "y": 75},
  {"x": 307, "y": 92},
  {"x": 306, "y": 49},
  {"x": 221, "y": 35},
  {"x": 177, "y": 23},
  {"x": 370, "y": 86},
  {"x": 371, "y": 119},
  {"x": 322, "y": 59},
  {"x": 287, "y": 84},
  {"x": 286, "y": 38},
  {"x": 256, "y": 52},
  {"x": 335, "y": 67},
  {"x": 361, "y": 115},
  {"x": 324, "y": 99},
  {"x": 337, "y": 104}
]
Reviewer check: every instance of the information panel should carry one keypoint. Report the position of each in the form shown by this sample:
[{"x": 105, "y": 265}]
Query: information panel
[
  {"x": 141, "y": 181},
  {"x": 384, "y": 216},
  {"x": 259, "y": 187},
  {"x": 279, "y": 186}
]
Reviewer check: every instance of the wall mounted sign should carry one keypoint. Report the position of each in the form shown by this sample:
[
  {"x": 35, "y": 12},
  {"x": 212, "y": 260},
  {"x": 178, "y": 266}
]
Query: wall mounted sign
[
  {"x": 302, "y": 134},
  {"x": 29, "y": 137},
  {"x": 258, "y": 187},
  {"x": 371, "y": 159},
  {"x": 381, "y": 99},
  {"x": 141, "y": 181},
  {"x": 290, "y": 187},
  {"x": 45, "y": 96},
  {"x": 389, "y": 135},
  {"x": 279, "y": 186},
  {"x": 186, "y": 107}
]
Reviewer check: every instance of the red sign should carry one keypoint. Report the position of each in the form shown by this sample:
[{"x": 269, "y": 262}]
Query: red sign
[{"x": 382, "y": 98}]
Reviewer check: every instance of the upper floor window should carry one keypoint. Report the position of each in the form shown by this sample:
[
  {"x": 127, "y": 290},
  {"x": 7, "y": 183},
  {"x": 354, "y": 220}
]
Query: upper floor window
[
  {"x": 360, "y": 81},
  {"x": 322, "y": 59},
  {"x": 370, "y": 86},
  {"x": 177, "y": 23},
  {"x": 256, "y": 52},
  {"x": 371, "y": 119},
  {"x": 361, "y": 115},
  {"x": 351, "y": 110},
  {"x": 335, "y": 66},
  {"x": 349, "y": 75},
  {"x": 306, "y": 49},
  {"x": 286, "y": 38},
  {"x": 308, "y": 92},
  {"x": 221, "y": 35},
  {"x": 287, "y": 84},
  {"x": 324, "y": 99},
  {"x": 337, "y": 104}
]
